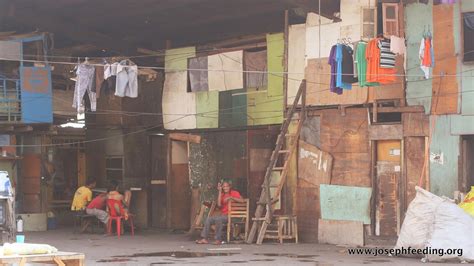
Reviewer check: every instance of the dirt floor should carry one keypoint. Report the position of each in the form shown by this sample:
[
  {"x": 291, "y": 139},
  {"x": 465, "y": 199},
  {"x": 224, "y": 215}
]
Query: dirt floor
[{"x": 156, "y": 248}]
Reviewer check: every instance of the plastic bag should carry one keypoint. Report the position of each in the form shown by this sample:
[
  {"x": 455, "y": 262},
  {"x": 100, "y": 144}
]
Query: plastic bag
[
  {"x": 453, "y": 231},
  {"x": 417, "y": 227},
  {"x": 27, "y": 249},
  {"x": 468, "y": 203}
]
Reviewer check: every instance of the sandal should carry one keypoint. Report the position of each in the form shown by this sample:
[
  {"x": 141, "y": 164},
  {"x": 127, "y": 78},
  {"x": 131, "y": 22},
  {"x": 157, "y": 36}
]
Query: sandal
[
  {"x": 217, "y": 242},
  {"x": 202, "y": 241}
]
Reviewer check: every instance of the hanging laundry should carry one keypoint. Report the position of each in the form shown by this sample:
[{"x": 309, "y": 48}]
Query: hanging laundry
[
  {"x": 426, "y": 56},
  {"x": 127, "y": 79},
  {"x": 339, "y": 82},
  {"x": 110, "y": 79},
  {"x": 85, "y": 74},
  {"x": 348, "y": 65},
  {"x": 397, "y": 45},
  {"x": 356, "y": 74},
  {"x": 376, "y": 73},
  {"x": 333, "y": 63},
  {"x": 387, "y": 58},
  {"x": 437, "y": 2},
  {"x": 361, "y": 66}
]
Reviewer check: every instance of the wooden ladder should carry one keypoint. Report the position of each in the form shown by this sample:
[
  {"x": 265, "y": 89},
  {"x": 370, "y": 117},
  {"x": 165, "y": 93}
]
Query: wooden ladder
[{"x": 266, "y": 200}]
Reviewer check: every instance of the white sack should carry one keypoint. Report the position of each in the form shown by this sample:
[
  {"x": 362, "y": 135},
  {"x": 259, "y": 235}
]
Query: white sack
[{"x": 417, "y": 227}]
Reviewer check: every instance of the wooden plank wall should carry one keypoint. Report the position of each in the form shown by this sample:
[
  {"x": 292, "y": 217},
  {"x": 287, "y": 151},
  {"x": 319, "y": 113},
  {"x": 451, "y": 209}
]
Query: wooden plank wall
[
  {"x": 159, "y": 165},
  {"x": 345, "y": 137}
]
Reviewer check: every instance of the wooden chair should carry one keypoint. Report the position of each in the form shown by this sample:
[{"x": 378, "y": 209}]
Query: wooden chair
[{"x": 238, "y": 211}]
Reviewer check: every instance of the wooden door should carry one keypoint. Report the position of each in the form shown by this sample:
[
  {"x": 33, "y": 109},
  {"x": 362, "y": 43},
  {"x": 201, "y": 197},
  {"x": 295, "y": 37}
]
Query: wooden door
[
  {"x": 31, "y": 183},
  {"x": 159, "y": 160},
  {"x": 179, "y": 187},
  {"x": 387, "y": 190}
]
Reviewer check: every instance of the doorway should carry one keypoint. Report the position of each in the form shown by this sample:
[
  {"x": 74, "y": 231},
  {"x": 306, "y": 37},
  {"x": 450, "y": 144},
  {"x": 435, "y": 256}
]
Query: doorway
[
  {"x": 388, "y": 172},
  {"x": 467, "y": 152}
]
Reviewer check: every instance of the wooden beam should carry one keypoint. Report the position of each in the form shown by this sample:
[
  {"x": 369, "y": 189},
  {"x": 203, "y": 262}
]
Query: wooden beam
[
  {"x": 185, "y": 137},
  {"x": 23, "y": 128}
]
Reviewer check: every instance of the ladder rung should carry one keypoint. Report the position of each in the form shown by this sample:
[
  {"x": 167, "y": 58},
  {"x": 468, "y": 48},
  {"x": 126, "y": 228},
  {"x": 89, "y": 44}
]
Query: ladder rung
[
  {"x": 290, "y": 135},
  {"x": 278, "y": 168},
  {"x": 284, "y": 151}
]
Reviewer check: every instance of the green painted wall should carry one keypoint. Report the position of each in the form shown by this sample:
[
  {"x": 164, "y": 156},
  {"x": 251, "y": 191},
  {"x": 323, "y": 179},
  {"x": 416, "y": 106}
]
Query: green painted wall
[
  {"x": 417, "y": 17},
  {"x": 444, "y": 172},
  {"x": 232, "y": 108},
  {"x": 462, "y": 125},
  {"x": 275, "y": 56},
  {"x": 263, "y": 109},
  {"x": 207, "y": 109},
  {"x": 177, "y": 59}
]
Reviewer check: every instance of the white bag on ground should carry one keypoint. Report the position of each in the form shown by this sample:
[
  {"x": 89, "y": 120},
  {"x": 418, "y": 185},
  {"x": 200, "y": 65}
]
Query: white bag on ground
[
  {"x": 453, "y": 229},
  {"x": 417, "y": 227},
  {"x": 27, "y": 249}
]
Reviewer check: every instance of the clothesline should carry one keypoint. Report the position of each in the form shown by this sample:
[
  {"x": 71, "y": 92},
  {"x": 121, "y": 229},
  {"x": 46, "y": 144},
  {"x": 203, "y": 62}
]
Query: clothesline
[{"x": 224, "y": 70}]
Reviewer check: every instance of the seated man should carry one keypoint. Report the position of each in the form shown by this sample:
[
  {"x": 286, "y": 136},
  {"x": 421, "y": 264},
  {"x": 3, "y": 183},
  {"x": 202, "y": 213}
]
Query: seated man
[
  {"x": 121, "y": 203},
  {"x": 82, "y": 196},
  {"x": 226, "y": 194},
  {"x": 97, "y": 208}
]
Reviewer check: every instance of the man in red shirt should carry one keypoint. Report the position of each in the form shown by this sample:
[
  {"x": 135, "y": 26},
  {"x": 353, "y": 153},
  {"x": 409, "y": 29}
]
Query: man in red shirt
[
  {"x": 97, "y": 208},
  {"x": 226, "y": 194}
]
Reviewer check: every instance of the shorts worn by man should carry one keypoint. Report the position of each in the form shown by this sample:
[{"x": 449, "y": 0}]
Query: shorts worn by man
[
  {"x": 226, "y": 194},
  {"x": 97, "y": 208}
]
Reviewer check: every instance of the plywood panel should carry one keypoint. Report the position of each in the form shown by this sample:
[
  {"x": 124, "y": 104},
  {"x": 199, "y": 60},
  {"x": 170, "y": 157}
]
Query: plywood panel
[
  {"x": 380, "y": 132},
  {"x": 388, "y": 150},
  {"x": 445, "y": 89},
  {"x": 315, "y": 47},
  {"x": 345, "y": 203},
  {"x": 314, "y": 165},
  {"x": 415, "y": 124},
  {"x": 275, "y": 60},
  {"x": 225, "y": 71},
  {"x": 308, "y": 212},
  {"x": 207, "y": 109},
  {"x": 317, "y": 90},
  {"x": 296, "y": 58},
  {"x": 180, "y": 197},
  {"x": 346, "y": 139},
  {"x": 263, "y": 109},
  {"x": 177, "y": 59},
  {"x": 179, "y": 106},
  {"x": 179, "y": 152}
]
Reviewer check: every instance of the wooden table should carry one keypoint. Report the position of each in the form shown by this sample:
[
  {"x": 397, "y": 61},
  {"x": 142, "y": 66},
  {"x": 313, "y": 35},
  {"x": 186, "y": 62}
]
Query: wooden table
[{"x": 58, "y": 258}]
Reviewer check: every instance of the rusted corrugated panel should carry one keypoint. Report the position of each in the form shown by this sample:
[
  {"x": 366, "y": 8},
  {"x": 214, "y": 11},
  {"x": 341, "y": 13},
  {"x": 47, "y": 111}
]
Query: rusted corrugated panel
[
  {"x": 308, "y": 213},
  {"x": 445, "y": 89},
  {"x": 415, "y": 124}
]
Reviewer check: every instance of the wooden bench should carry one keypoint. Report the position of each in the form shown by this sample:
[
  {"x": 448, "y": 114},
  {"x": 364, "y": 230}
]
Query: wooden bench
[{"x": 58, "y": 258}]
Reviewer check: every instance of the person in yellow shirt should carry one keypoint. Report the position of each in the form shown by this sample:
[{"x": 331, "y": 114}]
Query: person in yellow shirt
[{"x": 83, "y": 196}]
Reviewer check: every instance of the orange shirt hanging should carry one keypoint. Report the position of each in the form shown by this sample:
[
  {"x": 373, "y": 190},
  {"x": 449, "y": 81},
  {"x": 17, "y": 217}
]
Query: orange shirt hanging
[{"x": 375, "y": 73}]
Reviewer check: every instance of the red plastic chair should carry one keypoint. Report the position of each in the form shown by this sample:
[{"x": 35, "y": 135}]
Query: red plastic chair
[{"x": 117, "y": 217}]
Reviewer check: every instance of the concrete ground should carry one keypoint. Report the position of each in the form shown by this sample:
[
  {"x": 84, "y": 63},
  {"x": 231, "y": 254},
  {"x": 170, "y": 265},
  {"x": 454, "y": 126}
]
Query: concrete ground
[{"x": 156, "y": 248}]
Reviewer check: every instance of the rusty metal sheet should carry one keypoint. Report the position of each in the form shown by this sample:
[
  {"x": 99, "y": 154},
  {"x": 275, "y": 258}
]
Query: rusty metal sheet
[
  {"x": 198, "y": 74},
  {"x": 414, "y": 152},
  {"x": 255, "y": 61},
  {"x": 308, "y": 213}
]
